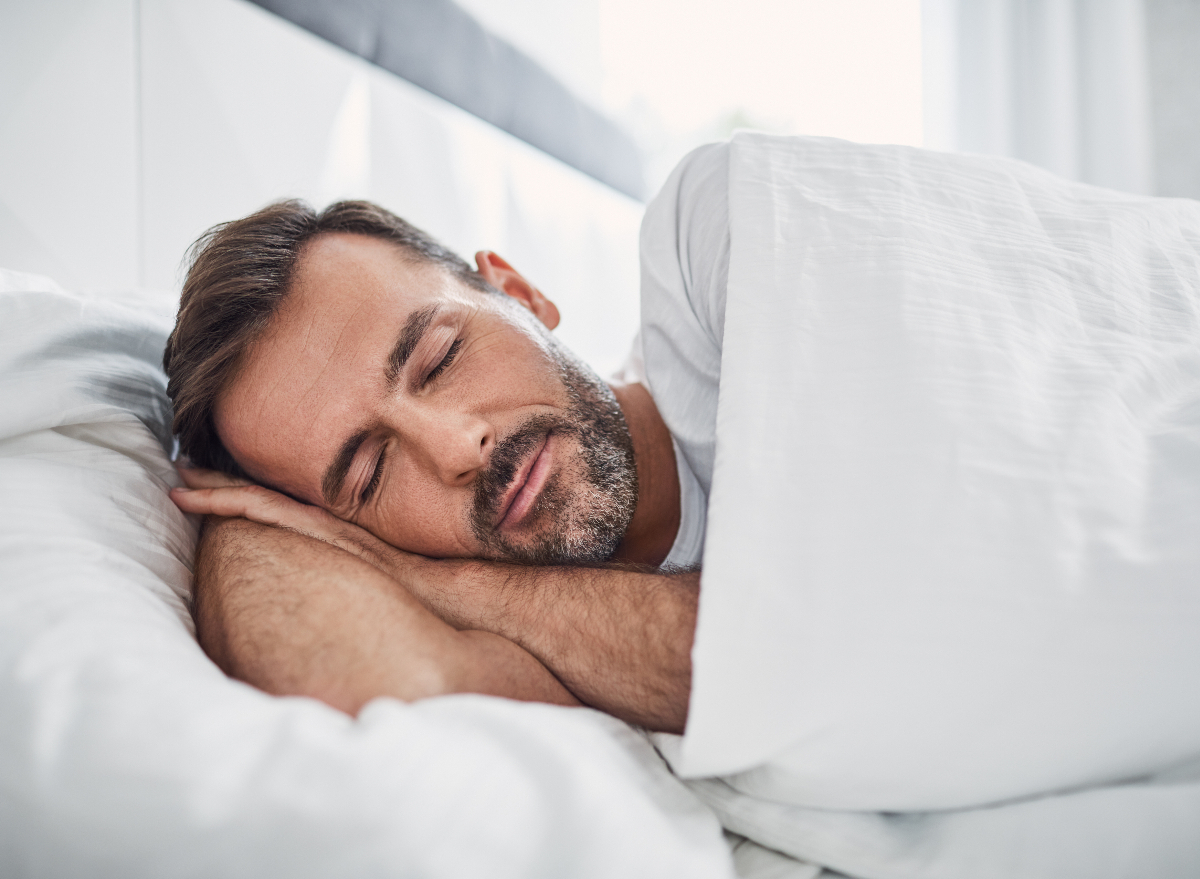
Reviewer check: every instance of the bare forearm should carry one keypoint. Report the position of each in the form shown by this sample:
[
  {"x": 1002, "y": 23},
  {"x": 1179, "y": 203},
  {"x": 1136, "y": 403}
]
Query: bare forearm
[
  {"x": 620, "y": 640},
  {"x": 293, "y": 615}
]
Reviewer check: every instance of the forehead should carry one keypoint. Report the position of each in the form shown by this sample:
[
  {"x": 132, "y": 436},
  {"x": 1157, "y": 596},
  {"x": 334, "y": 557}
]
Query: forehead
[
  {"x": 337, "y": 270},
  {"x": 310, "y": 374}
]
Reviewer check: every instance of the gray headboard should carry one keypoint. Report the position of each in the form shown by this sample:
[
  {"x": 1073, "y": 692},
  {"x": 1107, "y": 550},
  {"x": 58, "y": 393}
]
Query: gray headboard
[{"x": 440, "y": 47}]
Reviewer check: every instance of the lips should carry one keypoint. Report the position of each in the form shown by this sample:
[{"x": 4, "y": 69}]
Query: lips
[{"x": 523, "y": 492}]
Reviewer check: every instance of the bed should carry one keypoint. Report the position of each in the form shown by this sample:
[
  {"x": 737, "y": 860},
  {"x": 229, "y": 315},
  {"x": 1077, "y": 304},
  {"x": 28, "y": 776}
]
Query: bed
[
  {"x": 128, "y": 128},
  {"x": 926, "y": 732}
]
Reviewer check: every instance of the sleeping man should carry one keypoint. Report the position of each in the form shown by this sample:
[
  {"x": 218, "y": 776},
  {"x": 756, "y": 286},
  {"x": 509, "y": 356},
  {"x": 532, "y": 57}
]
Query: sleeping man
[
  {"x": 930, "y": 423},
  {"x": 515, "y": 510}
]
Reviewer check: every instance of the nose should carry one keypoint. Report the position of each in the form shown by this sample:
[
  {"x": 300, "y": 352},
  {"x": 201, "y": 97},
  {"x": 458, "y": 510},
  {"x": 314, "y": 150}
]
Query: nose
[{"x": 456, "y": 446}]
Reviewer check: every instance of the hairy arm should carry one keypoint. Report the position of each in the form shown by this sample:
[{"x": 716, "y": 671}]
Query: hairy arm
[
  {"x": 294, "y": 615},
  {"x": 619, "y": 639}
]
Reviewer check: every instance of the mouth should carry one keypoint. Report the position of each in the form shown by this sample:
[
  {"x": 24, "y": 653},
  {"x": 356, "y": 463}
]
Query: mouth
[{"x": 528, "y": 483}]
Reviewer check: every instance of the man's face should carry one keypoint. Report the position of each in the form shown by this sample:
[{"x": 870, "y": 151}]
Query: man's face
[{"x": 444, "y": 420}]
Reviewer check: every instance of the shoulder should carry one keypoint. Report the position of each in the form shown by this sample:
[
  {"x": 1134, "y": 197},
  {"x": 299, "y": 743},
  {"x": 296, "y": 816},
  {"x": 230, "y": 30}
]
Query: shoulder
[
  {"x": 685, "y": 243},
  {"x": 697, "y": 187}
]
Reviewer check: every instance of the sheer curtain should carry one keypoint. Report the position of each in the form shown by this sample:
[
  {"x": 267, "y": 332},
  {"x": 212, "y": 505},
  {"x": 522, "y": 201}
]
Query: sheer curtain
[{"x": 1063, "y": 84}]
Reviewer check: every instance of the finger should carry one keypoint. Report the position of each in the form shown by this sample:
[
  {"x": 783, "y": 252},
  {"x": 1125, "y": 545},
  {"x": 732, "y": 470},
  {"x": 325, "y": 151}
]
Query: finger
[
  {"x": 270, "y": 508},
  {"x": 196, "y": 477},
  {"x": 208, "y": 502},
  {"x": 260, "y": 505},
  {"x": 247, "y": 501}
]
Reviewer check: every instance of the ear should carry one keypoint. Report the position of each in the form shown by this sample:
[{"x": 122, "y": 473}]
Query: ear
[{"x": 509, "y": 281}]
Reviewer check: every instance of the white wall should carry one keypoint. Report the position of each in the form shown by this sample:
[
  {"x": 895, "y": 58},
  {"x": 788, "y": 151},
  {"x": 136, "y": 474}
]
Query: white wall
[
  {"x": 143, "y": 123},
  {"x": 68, "y": 140},
  {"x": 1063, "y": 84},
  {"x": 563, "y": 37},
  {"x": 1173, "y": 31}
]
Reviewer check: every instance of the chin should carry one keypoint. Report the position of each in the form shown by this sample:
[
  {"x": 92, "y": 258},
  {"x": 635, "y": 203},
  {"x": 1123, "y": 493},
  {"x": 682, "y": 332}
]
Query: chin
[
  {"x": 586, "y": 505},
  {"x": 581, "y": 525}
]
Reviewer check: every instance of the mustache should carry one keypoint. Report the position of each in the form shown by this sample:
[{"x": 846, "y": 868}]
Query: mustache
[{"x": 506, "y": 460}]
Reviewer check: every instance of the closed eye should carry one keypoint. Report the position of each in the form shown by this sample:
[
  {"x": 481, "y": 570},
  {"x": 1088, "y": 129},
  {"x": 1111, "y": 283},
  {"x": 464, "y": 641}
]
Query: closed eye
[
  {"x": 446, "y": 361},
  {"x": 373, "y": 483},
  {"x": 377, "y": 473}
]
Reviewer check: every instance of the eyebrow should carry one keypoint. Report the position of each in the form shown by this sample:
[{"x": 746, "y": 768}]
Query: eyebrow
[
  {"x": 406, "y": 342},
  {"x": 335, "y": 475},
  {"x": 410, "y": 336}
]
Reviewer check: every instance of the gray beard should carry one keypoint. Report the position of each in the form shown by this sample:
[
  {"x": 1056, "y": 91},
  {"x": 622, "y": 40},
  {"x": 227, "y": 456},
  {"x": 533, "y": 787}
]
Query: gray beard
[{"x": 579, "y": 522}]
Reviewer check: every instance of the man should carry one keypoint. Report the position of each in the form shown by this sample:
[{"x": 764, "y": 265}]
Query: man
[
  {"x": 466, "y": 479},
  {"x": 947, "y": 496}
]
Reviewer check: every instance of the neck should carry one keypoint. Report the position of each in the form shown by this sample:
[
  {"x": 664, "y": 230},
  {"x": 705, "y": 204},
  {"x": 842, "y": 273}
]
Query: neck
[{"x": 655, "y": 522}]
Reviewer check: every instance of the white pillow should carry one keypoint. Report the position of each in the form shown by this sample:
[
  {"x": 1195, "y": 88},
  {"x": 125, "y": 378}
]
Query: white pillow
[{"x": 125, "y": 752}]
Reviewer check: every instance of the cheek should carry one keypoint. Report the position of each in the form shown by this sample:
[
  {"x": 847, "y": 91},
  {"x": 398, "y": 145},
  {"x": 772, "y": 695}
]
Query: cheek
[
  {"x": 509, "y": 370},
  {"x": 428, "y": 519}
]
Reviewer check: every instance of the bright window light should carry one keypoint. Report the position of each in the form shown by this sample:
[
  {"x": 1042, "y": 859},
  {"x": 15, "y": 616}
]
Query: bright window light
[
  {"x": 682, "y": 72},
  {"x": 679, "y": 73}
]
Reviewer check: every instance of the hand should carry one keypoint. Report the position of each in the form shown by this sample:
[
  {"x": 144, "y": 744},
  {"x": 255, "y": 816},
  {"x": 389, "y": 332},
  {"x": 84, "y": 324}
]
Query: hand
[
  {"x": 212, "y": 493},
  {"x": 297, "y": 616}
]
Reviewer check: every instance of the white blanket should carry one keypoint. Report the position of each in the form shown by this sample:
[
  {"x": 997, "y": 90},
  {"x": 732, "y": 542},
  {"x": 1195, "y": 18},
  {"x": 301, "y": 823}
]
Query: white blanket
[
  {"x": 953, "y": 551},
  {"x": 125, "y": 752}
]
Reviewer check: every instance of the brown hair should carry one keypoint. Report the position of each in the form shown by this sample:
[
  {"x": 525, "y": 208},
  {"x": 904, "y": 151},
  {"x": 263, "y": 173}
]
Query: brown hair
[{"x": 238, "y": 273}]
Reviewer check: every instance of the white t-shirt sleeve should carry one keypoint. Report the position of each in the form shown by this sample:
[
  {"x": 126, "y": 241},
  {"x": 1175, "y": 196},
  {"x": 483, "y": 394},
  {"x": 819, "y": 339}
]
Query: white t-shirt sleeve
[{"x": 685, "y": 267}]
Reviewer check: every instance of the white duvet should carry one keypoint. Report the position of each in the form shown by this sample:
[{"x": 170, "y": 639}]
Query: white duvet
[
  {"x": 950, "y": 607},
  {"x": 961, "y": 640},
  {"x": 124, "y": 752}
]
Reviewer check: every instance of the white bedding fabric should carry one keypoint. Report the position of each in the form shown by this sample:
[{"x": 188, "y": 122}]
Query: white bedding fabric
[
  {"x": 124, "y": 752},
  {"x": 953, "y": 548},
  {"x": 1147, "y": 831}
]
